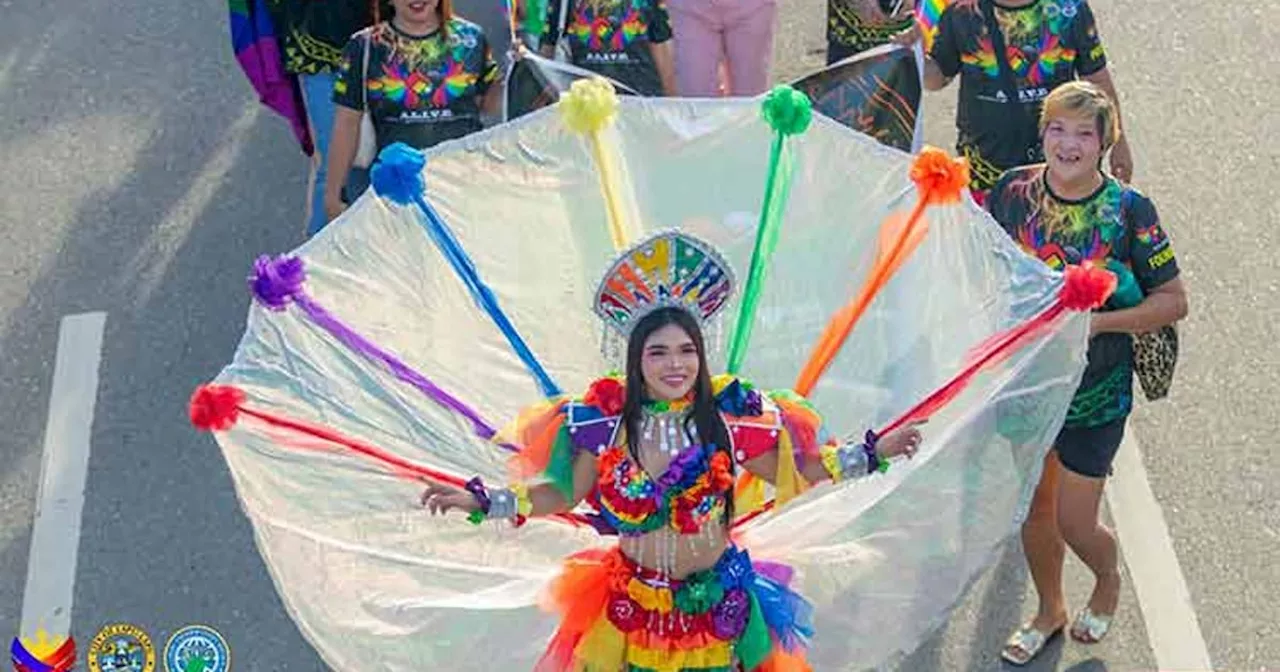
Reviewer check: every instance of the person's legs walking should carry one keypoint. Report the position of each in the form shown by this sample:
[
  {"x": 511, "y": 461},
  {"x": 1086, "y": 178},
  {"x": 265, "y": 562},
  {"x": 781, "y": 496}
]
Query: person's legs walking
[
  {"x": 1045, "y": 551},
  {"x": 699, "y": 47},
  {"x": 748, "y": 39},
  {"x": 1084, "y": 477}
]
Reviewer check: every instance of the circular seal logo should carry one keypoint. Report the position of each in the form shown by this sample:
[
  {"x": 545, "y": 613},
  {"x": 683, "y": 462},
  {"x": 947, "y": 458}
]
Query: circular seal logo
[
  {"x": 197, "y": 648},
  {"x": 121, "y": 647}
]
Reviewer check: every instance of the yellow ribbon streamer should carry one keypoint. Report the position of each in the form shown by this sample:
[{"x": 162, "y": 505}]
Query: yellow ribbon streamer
[{"x": 588, "y": 108}]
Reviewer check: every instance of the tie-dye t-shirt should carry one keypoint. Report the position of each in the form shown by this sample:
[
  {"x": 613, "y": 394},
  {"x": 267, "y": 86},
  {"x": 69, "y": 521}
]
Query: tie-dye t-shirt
[
  {"x": 612, "y": 37},
  {"x": 1048, "y": 42},
  {"x": 1115, "y": 222},
  {"x": 421, "y": 90},
  {"x": 850, "y": 26}
]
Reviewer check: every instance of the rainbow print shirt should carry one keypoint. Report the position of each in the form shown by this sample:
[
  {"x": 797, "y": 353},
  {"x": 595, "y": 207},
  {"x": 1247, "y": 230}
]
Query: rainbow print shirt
[
  {"x": 1047, "y": 43},
  {"x": 422, "y": 90},
  {"x": 613, "y": 37},
  {"x": 1114, "y": 223}
]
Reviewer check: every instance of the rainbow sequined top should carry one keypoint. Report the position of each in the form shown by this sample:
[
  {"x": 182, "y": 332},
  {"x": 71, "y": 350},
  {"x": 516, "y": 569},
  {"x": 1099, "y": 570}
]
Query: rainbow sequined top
[{"x": 692, "y": 490}]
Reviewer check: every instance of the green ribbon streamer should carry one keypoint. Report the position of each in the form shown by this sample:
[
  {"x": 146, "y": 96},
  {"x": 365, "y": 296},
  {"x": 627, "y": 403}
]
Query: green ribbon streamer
[
  {"x": 789, "y": 112},
  {"x": 755, "y": 644}
]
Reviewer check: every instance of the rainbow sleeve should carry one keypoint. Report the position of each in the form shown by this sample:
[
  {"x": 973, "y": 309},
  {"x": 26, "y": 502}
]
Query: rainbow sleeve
[{"x": 928, "y": 13}]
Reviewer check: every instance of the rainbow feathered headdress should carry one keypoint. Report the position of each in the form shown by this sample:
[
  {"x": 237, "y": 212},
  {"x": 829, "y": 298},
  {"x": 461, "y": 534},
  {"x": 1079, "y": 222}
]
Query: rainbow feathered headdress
[{"x": 670, "y": 269}]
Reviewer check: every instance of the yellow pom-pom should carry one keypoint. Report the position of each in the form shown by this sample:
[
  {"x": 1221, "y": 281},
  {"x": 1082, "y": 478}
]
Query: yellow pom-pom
[{"x": 590, "y": 105}]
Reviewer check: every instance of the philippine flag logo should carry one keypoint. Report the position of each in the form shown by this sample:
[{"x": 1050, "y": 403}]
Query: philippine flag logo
[{"x": 43, "y": 654}]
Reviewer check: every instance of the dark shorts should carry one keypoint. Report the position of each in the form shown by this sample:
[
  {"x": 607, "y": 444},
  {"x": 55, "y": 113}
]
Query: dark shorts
[{"x": 1088, "y": 451}]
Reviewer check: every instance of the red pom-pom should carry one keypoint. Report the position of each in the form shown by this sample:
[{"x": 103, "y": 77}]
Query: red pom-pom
[
  {"x": 606, "y": 394},
  {"x": 1087, "y": 287},
  {"x": 215, "y": 407}
]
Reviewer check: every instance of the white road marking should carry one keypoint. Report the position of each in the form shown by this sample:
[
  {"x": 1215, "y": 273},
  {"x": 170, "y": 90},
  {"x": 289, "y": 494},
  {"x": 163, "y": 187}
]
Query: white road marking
[
  {"x": 55, "y": 538},
  {"x": 1157, "y": 578}
]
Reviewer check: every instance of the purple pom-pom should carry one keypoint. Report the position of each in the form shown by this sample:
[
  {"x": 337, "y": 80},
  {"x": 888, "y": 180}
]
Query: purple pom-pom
[{"x": 276, "y": 281}]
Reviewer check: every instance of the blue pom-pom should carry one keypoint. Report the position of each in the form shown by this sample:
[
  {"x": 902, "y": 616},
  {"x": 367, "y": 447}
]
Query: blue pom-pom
[{"x": 397, "y": 175}]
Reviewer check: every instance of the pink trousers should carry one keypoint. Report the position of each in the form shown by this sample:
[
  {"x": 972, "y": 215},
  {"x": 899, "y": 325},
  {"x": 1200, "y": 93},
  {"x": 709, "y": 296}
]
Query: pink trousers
[{"x": 737, "y": 32}]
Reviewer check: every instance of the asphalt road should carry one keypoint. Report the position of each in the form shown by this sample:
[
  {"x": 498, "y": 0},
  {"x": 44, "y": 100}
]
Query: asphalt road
[{"x": 143, "y": 179}]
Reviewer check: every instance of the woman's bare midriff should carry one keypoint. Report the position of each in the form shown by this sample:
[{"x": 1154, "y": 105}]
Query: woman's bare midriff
[{"x": 692, "y": 553}]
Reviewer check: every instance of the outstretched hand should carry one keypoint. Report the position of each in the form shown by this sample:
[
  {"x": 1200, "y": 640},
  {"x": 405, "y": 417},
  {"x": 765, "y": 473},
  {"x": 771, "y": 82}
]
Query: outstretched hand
[
  {"x": 438, "y": 499},
  {"x": 902, "y": 441}
]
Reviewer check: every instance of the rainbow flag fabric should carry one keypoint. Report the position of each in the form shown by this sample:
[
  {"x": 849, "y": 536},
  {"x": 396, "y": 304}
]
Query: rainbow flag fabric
[{"x": 257, "y": 49}]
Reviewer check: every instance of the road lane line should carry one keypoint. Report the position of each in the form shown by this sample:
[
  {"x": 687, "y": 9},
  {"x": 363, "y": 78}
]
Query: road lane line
[
  {"x": 55, "y": 537},
  {"x": 1157, "y": 578}
]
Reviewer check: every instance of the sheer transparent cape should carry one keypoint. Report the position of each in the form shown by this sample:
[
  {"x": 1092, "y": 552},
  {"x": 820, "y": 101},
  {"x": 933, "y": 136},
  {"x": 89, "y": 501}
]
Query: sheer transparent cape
[{"x": 374, "y": 583}]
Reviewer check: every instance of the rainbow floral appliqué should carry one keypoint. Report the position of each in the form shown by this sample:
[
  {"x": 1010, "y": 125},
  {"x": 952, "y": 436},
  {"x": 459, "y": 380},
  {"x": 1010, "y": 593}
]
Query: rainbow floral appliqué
[{"x": 686, "y": 496}]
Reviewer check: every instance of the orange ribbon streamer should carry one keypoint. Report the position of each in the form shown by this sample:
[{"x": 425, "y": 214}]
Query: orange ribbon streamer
[{"x": 940, "y": 180}]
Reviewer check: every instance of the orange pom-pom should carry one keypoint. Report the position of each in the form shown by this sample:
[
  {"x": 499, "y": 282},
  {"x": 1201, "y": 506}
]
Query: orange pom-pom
[
  {"x": 215, "y": 407},
  {"x": 1087, "y": 287},
  {"x": 940, "y": 178}
]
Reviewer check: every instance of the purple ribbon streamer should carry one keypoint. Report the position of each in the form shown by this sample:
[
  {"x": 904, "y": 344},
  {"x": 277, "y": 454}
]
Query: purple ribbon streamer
[{"x": 351, "y": 339}]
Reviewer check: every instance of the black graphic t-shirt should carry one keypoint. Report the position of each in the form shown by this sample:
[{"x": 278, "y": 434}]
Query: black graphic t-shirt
[
  {"x": 313, "y": 32},
  {"x": 612, "y": 38},
  {"x": 1048, "y": 43},
  {"x": 421, "y": 90},
  {"x": 1115, "y": 222},
  {"x": 850, "y": 24}
]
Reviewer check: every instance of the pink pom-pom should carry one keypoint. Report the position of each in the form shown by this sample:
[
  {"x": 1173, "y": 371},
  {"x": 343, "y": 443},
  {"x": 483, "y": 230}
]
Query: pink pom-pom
[
  {"x": 215, "y": 407},
  {"x": 1087, "y": 286}
]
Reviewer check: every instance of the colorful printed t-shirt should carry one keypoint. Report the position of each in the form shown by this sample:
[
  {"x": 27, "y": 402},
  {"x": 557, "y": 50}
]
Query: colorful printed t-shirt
[
  {"x": 421, "y": 90},
  {"x": 1115, "y": 222},
  {"x": 1048, "y": 43},
  {"x": 849, "y": 29},
  {"x": 313, "y": 32},
  {"x": 612, "y": 38}
]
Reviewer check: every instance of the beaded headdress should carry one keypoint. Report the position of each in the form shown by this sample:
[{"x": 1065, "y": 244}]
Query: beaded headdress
[{"x": 668, "y": 269}]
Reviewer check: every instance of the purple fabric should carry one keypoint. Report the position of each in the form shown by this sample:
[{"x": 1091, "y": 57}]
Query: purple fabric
[
  {"x": 591, "y": 437},
  {"x": 774, "y": 571}
]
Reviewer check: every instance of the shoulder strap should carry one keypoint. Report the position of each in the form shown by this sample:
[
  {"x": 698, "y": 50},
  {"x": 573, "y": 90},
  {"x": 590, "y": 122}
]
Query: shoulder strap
[
  {"x": 364, "y": 75},
  {"x": 1007, "y": 81}
]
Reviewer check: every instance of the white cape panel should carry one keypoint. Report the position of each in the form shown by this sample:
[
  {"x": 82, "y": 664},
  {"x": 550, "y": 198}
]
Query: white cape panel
[{"x": 374, "y": 583}]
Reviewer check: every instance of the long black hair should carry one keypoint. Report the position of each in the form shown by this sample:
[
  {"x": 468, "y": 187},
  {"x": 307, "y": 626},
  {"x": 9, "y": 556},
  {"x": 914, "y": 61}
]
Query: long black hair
[{"x": 705, "y": 417}]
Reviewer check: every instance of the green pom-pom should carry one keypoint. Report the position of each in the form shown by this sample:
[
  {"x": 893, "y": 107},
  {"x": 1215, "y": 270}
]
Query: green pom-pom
[
  {"x": 787, "y": 110},
  {"x": 476, "y": 517},
  {"x": 882, "y": 465}
]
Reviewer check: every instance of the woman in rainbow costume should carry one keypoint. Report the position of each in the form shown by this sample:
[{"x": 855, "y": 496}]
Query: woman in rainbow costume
[{"x": 656, "y": 452}]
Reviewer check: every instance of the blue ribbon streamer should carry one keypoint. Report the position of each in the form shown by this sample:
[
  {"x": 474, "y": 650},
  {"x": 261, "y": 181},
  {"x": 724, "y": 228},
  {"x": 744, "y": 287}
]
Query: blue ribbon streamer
[{"x": 462, "y": 265}]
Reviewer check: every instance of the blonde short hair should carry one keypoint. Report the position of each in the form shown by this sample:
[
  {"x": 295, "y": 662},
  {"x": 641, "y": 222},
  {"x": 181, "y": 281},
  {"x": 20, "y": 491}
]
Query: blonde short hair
[{"x": 1081, "y": 98}]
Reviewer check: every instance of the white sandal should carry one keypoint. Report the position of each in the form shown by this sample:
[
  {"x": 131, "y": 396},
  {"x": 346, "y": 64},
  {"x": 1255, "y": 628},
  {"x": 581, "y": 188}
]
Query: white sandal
[
  {"x": 1029, "y": 641},
  {"x": 1090, "y": 628}
]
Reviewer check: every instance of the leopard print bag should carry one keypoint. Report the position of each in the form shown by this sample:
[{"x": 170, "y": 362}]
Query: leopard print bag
[{"x": 1155, "y": 353}]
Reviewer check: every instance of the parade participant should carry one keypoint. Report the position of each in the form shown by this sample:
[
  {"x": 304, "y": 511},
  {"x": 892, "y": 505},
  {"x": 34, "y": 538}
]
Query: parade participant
[
  {"x": 1009, "y": 55},
  {"x": 724, "y": 47},
  {"x": 1067, "y": 211},
  {"x": 422, "y": 78},
  {"x": 659, "y": 448},
  {"x": 627, "y": 41}
]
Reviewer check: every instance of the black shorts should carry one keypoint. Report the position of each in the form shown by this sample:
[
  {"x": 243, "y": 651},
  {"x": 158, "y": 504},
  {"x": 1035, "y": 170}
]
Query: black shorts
[{"x": 1089, "y": 451}]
